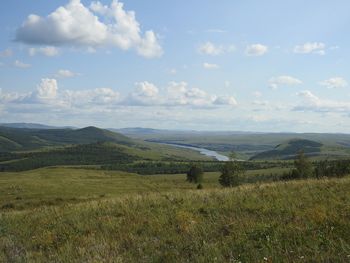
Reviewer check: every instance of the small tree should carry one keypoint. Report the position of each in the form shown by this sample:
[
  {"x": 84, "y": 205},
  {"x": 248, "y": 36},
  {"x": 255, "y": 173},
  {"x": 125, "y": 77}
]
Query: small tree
[
  {"x": 230, "y": 174},
  {"x": 195, "y": 174},
  {"x": 303, "y": 167}
]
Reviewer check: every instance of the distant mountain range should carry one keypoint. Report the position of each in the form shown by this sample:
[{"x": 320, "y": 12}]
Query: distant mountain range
[
  {"x": 247, "y": 145},
  {"x": 23, "y": 125}
]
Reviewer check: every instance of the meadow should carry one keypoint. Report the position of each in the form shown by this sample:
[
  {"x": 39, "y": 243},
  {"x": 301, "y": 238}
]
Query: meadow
[
  {"x": 60, "y": 185},
  {"x": 91, "y": 195},
  {"x": 84, "y": 215}
]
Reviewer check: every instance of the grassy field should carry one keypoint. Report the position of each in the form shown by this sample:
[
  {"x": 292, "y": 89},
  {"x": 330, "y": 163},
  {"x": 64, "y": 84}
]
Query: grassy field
[
  {"x": 79, "y": 215},
  {"x": 57, "y": 185}
]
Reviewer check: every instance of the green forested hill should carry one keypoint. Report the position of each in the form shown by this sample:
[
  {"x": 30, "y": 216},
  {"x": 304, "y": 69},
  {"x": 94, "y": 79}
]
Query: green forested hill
[
  {"x": 14, "y": 139},
  {"x": 289, "y": 149}
]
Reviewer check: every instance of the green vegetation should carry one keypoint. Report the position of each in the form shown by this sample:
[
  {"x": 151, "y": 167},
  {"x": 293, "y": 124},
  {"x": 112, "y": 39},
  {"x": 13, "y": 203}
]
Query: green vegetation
[
  {"x": 303, "y": 167},
  {"x": 299, "y": 221},
  {"x": 59, "y": 185},
  {"x": 247, "y": 144},
  {"x": 231, "y": 173},
  {"x": 290, "y": 149},
  {"x": 13, "y": 139},
  {"x": 195, "y": 174},
  {"x": 105, "y": 197}
]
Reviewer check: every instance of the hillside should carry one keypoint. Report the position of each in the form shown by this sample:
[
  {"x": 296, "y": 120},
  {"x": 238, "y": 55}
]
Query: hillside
[
  {"x": 14, "y": 139},
  {"x": 24, "y": 149},
  {"x": 290, "y": 149},
  {"x": 304, "y": 221}
]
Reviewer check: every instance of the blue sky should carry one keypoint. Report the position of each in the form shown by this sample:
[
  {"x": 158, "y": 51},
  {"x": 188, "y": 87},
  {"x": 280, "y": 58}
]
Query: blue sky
[{"x": 204, "y": 65}]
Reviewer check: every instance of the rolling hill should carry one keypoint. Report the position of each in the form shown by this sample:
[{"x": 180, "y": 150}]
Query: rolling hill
[
  {"x": 290, "y": 149},
  {"x": 15, "y": 139},
  {"x": 25, "y": 149}
]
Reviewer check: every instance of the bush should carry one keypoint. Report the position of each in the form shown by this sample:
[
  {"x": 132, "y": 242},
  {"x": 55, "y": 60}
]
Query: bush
[
  {"x": 230, "y": 174},
  {"x": 303, "y": 167},
  {"x": 195, "y": 174}
]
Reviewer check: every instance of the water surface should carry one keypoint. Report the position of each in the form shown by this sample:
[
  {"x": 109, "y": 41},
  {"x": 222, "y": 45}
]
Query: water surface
[{"x": 203, "y": 151}]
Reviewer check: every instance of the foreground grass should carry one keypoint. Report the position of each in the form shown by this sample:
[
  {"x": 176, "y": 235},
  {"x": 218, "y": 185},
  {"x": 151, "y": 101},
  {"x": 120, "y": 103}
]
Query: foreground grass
[{"x": 304, "y": 221}]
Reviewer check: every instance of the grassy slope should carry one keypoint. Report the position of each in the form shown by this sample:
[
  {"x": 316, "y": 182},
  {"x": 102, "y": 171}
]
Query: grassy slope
[
  {"x": 291, "y": 222},
  {"x": 59, "y": 185}
]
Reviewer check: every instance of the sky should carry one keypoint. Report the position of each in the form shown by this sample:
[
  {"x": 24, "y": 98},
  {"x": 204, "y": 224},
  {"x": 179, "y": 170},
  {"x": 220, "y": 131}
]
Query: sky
[{"x": 265, "y": 66}]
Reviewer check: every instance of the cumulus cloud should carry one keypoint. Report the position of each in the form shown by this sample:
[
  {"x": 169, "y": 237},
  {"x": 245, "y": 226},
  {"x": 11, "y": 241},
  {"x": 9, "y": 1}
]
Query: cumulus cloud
[
  {"x": 96, "y": 26},
  {"x": 180, "y": 94},
  {"x": 47, "y": 89},
  {"x": 48, "y": 51},
  {"x": 212, "y": 49},
  {"x": 310, "y": 48},
  {"x": 336, "y": 82},
  {"x": 210, "y": 66},
  {"x": 316, "y": 104},
  {"x": 276, "y": 82},
  {"x": 48, "y": 96},
  {"x": 145, "y": 93},
  {"x": 65, "y": 73},
  {"x": 225, "y": 100},
  {"x": 256, "y": 50},
  {"x": 20, "y": 64},
  {"x": 6, "y": 53},
  {"x": 88, "y": 98}
]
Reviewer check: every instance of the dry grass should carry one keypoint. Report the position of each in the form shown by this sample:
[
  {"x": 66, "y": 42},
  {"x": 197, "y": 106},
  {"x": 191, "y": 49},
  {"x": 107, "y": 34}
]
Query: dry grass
[{"x": 304, "y": 221}]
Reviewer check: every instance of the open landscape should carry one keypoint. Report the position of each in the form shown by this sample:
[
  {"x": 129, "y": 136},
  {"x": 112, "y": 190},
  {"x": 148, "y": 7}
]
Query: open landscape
[
  {"x": 174, "y": 131},
  {"x": 95, "y": 195}
]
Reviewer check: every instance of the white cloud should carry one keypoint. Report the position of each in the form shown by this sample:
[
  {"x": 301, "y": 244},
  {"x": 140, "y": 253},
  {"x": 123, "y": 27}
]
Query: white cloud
[
  {"x": 47, "y": 89},
  {"x": 316, "y": 104},
  {"x": 48, "y": 97},
  {"x": 227, "y": 84},
  {"x": 20, "y": 64},
  {"x": 212, "y": 49},
  {"x": 65, "y": 73},
  {"x": 48, "y": 51},
  {"x": 225, "y": 100},
  {"x": 310, "y": 48},
  {"x": 145, "y": 93},
  {"x": 6, "y": 53},
  {"x": 256, "y": 50},
  {"x": 336, "y": 82},
  {"x": 77, "y": 25},
  {"x": 210, "y": 66},
  {"x": 276, "y": 82},
  {"x": 178, "y": 93},
  {"x": 88, "y": 98}
]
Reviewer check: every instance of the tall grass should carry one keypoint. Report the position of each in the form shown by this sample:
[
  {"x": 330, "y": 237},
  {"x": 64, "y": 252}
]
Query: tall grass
[{"x": 303, "y": 221}]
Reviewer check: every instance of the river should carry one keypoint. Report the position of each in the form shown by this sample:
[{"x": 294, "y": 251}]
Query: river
[{"x": 203, "y": 151}]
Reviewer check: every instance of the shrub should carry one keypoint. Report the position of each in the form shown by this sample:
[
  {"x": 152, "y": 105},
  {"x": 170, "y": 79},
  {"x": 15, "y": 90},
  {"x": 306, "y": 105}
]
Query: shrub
[
  {"x": 230, "y": 174},
  {"x": 195, "y": 174}
]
